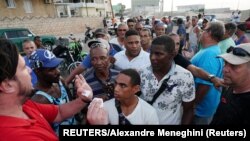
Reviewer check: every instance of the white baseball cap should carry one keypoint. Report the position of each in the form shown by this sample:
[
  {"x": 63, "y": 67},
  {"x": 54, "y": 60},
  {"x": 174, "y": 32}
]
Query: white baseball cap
[{"x": 237, "y": 55}]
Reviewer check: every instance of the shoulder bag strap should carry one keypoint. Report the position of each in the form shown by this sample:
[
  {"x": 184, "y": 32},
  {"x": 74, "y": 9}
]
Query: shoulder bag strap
[
  {"x": 161, "y": 89},
  {"x": 122, "y": 119}
]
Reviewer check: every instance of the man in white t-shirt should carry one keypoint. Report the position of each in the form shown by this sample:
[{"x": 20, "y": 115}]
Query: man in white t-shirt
[
  {"x": 175, "y": 104},
  {"x": 134, "y": 56},
  {"x": 127, "y": 108}
]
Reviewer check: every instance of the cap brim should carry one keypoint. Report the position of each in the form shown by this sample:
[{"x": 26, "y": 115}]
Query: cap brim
[
  {"x": 55, "y": 62},
  {"x": 98, "y": 33},
  {"x": 92, "y": 42},
  {"x": 233, "y": 59}
]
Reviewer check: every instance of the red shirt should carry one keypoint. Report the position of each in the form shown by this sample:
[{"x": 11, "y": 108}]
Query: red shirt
[{"x": 37, "y": 128}]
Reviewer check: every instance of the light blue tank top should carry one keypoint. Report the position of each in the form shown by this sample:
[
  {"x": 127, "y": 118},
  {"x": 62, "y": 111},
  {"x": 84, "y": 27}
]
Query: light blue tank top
[{"x": 58, "y": 101}]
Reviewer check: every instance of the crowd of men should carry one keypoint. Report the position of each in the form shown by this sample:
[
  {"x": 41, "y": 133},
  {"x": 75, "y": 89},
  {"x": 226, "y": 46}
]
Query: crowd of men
[{"x": 143, "y": 79}]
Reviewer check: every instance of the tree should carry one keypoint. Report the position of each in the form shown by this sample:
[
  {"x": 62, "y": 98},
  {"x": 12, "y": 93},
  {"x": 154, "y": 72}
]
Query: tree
[{"x": 122, "y": 9}]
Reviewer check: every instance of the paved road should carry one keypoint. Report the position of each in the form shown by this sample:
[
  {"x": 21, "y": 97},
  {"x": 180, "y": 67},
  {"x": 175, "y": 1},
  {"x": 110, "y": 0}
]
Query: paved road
[{"x": 248, "y": 34}]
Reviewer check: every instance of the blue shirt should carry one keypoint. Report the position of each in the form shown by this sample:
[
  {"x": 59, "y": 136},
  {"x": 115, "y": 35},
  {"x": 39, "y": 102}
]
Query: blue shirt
[
  {"x": 33, "y": 75},
  {"x": 64, "y": 98},
  {"x": 206, "y": 60},
  {"x": 181, "y": 31}
]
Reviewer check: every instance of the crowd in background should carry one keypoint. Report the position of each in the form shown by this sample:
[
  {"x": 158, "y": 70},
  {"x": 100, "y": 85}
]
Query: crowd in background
[{"x": 198, "y": 75}]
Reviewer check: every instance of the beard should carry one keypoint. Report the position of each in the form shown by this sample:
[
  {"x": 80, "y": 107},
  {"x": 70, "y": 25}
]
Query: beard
[{"x": 25, "y": 91}]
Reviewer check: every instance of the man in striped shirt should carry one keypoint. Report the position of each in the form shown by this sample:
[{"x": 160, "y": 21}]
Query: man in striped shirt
[{"x": 100, "y": 77}]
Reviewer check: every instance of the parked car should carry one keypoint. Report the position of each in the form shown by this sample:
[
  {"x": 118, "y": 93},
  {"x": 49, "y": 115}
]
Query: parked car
[
  {"x": 211, "y": 18},
  {"x": 18, "y": 35},
  {"x": 248, "y": 24}
]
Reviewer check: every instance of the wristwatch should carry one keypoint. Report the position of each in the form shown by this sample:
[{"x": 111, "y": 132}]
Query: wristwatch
[{"x": 210, "y": 77}]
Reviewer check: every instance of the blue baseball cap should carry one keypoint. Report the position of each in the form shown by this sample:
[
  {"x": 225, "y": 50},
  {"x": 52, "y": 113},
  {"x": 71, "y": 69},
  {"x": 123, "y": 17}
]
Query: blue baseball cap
[{"x": 42, "y": 58}]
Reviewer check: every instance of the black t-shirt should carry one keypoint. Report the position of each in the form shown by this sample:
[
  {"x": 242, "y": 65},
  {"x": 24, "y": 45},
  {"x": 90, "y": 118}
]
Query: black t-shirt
[
  {"x": 233, "y": 109},
  {"x": 181, "y": 61}
]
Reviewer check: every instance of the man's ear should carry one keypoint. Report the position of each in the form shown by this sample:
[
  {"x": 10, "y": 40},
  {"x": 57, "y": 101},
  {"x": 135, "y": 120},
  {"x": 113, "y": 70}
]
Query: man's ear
[
  {"x": 136, "y": 89},
  {"x": 112, "y": 59},
  {"x": 7, "y": 86}
]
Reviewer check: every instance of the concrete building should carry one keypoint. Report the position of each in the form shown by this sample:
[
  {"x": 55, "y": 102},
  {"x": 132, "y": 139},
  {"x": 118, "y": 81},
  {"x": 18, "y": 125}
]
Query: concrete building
[
  {"x": 145, "y": 7},
  {"x": 195, "y": 8},
  {"x": 26, "y": 8},
  {"x": 68, "y": 8},
  {"x": 55, "y": 8}
]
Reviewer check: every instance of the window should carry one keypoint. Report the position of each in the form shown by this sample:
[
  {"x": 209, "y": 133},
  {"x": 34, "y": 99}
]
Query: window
[
  {"x": 89, "y": 1},
  {"x": 76, "y": 1},
  {"x": 23, "y": 33},
  {"x": 27, "y": 6},
  {"x": 11, "y": 34},
  {"x": 17, "y": 34},
  {"x": 99, "y": 1},
  {"x": 10, "y": 3}
]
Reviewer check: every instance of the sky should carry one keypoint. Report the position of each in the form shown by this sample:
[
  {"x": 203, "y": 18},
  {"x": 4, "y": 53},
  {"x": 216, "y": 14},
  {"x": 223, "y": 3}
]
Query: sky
[{"x": 209, "y": 4}]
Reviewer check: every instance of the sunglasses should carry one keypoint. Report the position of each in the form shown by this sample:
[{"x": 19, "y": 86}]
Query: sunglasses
[
  {"x": 238, "y": 51},
  {"x": 138, "y": 29},
  {"x": 122, "y": 30},
  {"x": 95, "y": 45}
]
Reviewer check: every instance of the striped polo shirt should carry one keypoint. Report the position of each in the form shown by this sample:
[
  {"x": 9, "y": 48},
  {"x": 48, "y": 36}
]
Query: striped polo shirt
[{"x": 99, "y": 86}]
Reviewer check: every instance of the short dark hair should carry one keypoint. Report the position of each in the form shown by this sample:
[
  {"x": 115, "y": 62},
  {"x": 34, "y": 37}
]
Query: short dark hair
[
  {"x": 131, "y": 32},
  {"x": 166, "y": 41},
  {"x": 134, "y": 76},
  {"x": 130, "y": 20},
  {"x": 9, "y": 59},
  {"x": 179, "y": 21},
  {"x": 36, "y": 37},
  {"x": 230, "y": 28},
  {"x": 156, "y": 22},
  {"x": 242, "y": 26}
]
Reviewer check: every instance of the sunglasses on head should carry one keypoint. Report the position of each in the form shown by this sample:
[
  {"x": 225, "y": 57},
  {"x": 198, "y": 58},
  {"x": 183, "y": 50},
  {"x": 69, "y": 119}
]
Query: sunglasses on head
[
  {"x": 238, "y": 51},
  {"x": 95, "y": 45},
  {"x": 99, "y": 35}
]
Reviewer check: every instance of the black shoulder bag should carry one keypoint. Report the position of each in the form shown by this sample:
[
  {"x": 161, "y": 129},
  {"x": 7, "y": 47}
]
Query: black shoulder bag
[
  {"x": 164, "y": 85},
  {"x": 122, "y": 119}
]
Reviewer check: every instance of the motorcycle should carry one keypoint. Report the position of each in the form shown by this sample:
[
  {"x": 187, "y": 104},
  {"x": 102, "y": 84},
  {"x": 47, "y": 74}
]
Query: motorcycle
[
  {"x": 71, "y": 52},
  {"x": 89, "y": 34}
]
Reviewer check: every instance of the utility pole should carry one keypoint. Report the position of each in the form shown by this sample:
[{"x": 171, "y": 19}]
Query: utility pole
[
  {"x": 172, "y": 8},
  {"x": 86, "y": 6},
  {"x": 238, "y": 5},
  {"x": 113, "y": 16},
  {"x": 161, "y": 6}
]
